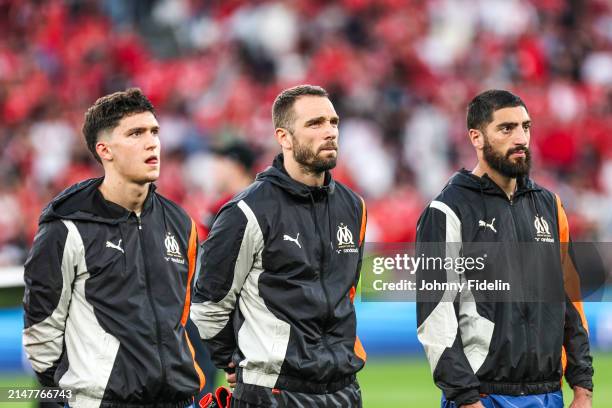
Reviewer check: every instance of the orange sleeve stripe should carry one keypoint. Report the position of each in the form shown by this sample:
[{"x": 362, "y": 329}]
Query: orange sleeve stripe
[
  {"x": 570, "y": 274},
  {"x": 191, "y": 255},
  {"x": 580, "y": 308},
  {"x": 363, "y": 221},
  {"x": 563, "y": 362},
  {"x": 359, "y": 350},
  {"x": 195, "y": 364},
  {"x": 585, "y": 324},
  {"x": 563, "y": 224},
  {"x": 571, "y": 277}
]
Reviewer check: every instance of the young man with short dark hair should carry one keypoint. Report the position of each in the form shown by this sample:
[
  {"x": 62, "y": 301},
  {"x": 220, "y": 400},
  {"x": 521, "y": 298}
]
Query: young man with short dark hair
[{"x": 109, "y": 276}]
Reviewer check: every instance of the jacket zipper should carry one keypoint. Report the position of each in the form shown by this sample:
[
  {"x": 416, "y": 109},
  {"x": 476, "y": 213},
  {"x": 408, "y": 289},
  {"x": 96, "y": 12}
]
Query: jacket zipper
[
  {"x": 150, "y": 298},
  {"x": 322, "y": 280},
  {"x": 524, "y": 309}
]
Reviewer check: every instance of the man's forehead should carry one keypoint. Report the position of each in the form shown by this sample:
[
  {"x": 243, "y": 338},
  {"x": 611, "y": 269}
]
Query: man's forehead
[
  {"x": 142, "y": 119},
  {"x": 310, "y": 105},
  {"x": 512, "y": 114}
]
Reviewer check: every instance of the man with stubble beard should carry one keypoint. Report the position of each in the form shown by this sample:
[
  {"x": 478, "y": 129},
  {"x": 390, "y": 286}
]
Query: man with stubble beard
[
  {"x": 273, "y": 300},
  {"x": 513, "y": 353}
]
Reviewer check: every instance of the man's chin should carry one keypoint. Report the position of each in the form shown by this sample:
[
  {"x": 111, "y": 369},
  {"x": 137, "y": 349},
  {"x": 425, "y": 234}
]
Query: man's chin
[
  {"x": 325, "y": 165},
  {"x": 520, "y": 166},
  {"x": 516, "y": 172},
  {"x": 518, "y": 161},
  {"x": 147, "y": 178},
  {"x": 152, "y": 177}
]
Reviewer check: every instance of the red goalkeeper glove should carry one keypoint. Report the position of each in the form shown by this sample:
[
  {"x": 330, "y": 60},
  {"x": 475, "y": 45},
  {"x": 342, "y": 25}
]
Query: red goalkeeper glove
[{"x": 220, "y": 399}]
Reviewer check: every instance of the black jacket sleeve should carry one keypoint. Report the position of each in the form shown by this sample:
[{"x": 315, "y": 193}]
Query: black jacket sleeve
[
  {"x": 439, "y": 235},
  {"x": 226, "y": 258},
  {"x": 49, "y": 273},
  {"x": 579, "y": 363},
  {"x": 364, "y": 221}
]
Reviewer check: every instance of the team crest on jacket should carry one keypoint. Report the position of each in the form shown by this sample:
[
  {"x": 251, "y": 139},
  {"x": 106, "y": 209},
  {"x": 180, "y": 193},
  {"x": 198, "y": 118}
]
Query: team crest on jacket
[
  {"x": 345, "y": 240},
  {"x": 542, "y": 230},
  {"x": 173, "y": 251}
]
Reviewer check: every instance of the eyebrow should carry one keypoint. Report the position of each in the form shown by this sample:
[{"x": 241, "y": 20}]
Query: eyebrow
[
  {"x": 321, "y": 119},
  {"x": 140, "y": 129},
  {"x": 512, "y": 124}
]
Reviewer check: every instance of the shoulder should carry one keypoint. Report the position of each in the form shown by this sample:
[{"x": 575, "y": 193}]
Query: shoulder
[
  {"x": 548, "y": 202},
  {"x": 246, "y": 205},
  {"x": 544, "y": 198},
  {"x": 261, "y": 201},
  {"x": 173, "y": 210},
  {"x": 53, "y": 230},
  {"x": 449, "y": 201},
  {"x": 257, "y": 190},
  {"x": 545, "y": 193},
  {"x": 55, "y": 238},
  {"x": 350, "y": 197},
  {"x": 250, "y": 198}
]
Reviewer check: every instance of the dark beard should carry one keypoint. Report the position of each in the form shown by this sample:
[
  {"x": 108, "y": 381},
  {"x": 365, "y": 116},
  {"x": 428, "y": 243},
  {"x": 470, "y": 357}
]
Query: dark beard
[
  {"x": 309, "y": 161},
  {"x": 503, "y": 164}
]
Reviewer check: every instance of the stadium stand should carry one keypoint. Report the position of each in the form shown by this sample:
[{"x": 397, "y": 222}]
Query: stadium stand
[{"x": 400, "y": 73}]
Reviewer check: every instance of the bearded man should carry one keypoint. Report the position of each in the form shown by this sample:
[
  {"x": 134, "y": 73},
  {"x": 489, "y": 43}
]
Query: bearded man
[
  {"x": 510, "y": 353},
  {"x": 273, "y": 301}
]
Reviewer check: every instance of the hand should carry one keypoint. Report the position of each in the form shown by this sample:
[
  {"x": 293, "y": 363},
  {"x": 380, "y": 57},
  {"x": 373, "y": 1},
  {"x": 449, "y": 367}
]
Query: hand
[
  {"x": 583, "y": 398},
  {"x": 474, "y": 405},
  {"x": 231, "y": 378}
]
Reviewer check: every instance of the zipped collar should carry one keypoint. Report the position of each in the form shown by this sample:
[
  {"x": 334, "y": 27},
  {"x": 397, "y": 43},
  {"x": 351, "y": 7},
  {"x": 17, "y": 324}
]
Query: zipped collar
[
  {"x": 84, "y": 202},
  {"x": 485, "y": 185},
  {"x": 277, "y": 175}
]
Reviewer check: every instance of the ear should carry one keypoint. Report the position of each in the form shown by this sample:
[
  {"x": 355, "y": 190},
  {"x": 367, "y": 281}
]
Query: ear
[
  {"x": 104, "y": 151},
  {"x": 477, "y": 138},
  {"x": 283, "y": 137}
]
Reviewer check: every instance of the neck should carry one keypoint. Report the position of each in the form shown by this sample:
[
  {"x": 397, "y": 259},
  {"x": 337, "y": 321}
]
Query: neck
[
  {"x": 129, "y": 195},
  {"x": 507, "y": 184},
  {"x": 299, "y": 173}
]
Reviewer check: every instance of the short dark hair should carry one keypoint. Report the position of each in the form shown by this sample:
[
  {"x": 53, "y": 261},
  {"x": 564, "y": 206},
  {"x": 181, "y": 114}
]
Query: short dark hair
[
  {"x": 481, "y": 108},
  {"x": 282, "y": 110},
  {"x": 107, "y": 112}
]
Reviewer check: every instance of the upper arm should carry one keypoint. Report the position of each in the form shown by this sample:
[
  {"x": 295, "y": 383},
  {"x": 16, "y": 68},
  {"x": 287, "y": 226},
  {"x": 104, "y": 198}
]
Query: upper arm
[
  {"x": 52, "y": 265},
  {"x": 227, "y": 255},
  {"x": 45, "y": 267}
]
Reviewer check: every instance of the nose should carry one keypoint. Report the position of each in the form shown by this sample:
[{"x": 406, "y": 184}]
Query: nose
[
  {"x": 331, "y": 132},
  {"x": 521, "y": 136},
  {"x": 152, "y": 141}
]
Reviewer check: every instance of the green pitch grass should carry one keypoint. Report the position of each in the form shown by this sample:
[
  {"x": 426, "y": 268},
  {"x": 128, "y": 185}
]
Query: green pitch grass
[
  {"x": 395, "y": 382},
  {"x": 408, "y": 383},
  {"x": 18, "y": 380}
]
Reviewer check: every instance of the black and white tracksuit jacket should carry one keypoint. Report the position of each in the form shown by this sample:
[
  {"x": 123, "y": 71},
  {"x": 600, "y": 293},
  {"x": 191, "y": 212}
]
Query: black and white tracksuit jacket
[
  {"x": 274, "y": 295},
  {"x": 107, "y": 299},
  {"x": 511, "y": 347}
]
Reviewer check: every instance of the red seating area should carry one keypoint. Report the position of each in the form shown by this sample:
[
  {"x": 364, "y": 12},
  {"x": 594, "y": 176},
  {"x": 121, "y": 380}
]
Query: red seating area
[{"x": 400, "y": 73}]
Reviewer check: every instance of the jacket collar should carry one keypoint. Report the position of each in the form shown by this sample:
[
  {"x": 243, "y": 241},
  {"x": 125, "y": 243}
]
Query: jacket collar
[
  {"x": 485, "y": 185},
  {"x": 277, "y": 175},
  {"x": 84, "y": 201}
]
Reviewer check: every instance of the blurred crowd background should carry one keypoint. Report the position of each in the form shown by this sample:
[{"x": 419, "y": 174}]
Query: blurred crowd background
[{"x": 400, "y": 73}]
